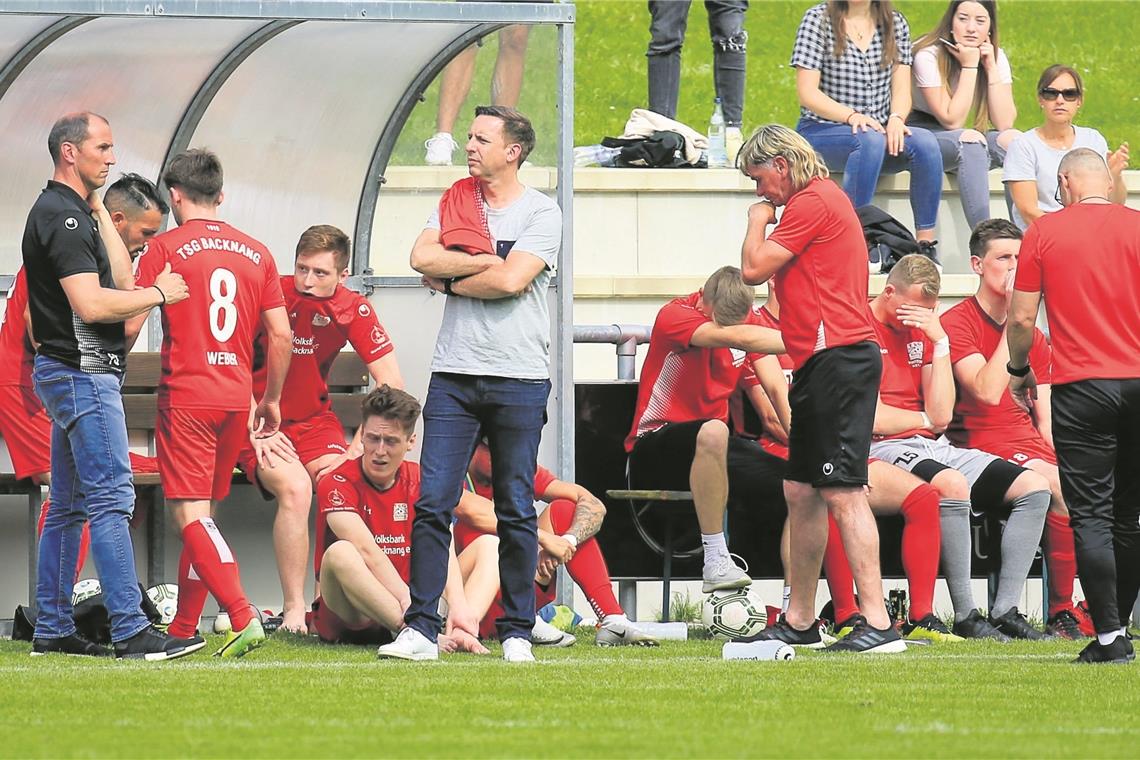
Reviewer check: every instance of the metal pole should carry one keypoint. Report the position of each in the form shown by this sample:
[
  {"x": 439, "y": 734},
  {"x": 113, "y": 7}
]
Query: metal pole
[{"x": 625, "y": 337}]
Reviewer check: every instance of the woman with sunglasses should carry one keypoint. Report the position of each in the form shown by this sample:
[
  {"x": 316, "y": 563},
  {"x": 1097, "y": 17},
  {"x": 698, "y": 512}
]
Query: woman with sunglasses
[
  {"x": 852, "y": 62},
  {"x": 1030, "y": 173},
  {"x": 959, "y": 68}
]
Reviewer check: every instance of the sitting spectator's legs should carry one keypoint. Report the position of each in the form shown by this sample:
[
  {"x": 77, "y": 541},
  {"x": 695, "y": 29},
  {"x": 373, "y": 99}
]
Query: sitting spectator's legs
[
  {"x": 858, "y": 156},
  {"x": 922, "y": 156}
]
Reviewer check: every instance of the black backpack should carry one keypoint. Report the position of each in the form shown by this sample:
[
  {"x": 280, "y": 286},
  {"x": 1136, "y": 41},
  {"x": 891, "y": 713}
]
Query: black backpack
[
  {"x": 888, "y": 240},
  {"x": 91, "y": 619},
  {"x": 661, "y": 150}
]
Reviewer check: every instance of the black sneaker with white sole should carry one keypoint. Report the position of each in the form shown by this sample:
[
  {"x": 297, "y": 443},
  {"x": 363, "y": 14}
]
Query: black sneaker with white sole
[
  {"x": 74, "y": 645},
  {"x": 1014, "y": 625},
  {"x": 977, "y": 627},
  {"x": 153, "y": 645},
  {"x": 864, "y": 639},
  {"x": 782, "y": 630},
  {"x": 1119, "y": 652}
]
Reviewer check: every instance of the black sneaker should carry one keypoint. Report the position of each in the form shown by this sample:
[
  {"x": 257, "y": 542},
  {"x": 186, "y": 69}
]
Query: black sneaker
[
  {"x": 1064, "y": 625},
  {"x": 153, "y": 645},
  {"x": 977, "y": 627},
  {"x": 74, "y": 645},
  {"x": 1014, "y": 625},
  {"x": 1119, "y": 651},
  {"x": 781, "y": 630},
  {"x": 929, "y": 249},
  {"x": 845, "y": 627},
  {"x": 867, "y": 640}
]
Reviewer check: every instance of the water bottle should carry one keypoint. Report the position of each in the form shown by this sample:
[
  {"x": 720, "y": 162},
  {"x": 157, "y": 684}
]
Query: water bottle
[
  {"x": 718, "y": 156},
  {"x": 595, "y": 155},
  {"x": 676, "y": 631},
  {"x": 757, "y": 650}
]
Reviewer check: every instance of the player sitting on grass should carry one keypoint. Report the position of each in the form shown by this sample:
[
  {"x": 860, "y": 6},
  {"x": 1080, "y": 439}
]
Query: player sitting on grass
[
  {"x": 892, "y": 491},
  {"x": 987, "y": 418},
  {"x": 324, "y": 316},
  {"x": 566, "y": 531},
  {"x": 364, "y": 540},
  {"x": 916, "y": 403}
]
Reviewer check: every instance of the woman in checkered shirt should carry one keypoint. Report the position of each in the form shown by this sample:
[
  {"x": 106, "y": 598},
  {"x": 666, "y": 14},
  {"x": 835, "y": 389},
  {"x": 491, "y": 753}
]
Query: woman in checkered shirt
[{"x": 852, "y": 63}]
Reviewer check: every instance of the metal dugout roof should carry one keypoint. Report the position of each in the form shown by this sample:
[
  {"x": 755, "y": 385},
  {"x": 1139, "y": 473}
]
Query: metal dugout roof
[{"x": 304, "y": 99}]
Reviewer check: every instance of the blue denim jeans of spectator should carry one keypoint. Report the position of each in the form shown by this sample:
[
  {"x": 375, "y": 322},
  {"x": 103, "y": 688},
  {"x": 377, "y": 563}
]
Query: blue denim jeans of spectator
[
  {"x": 510, "y": 413},
  {"x": 668, "y": 21},
  {"x": 90, "y": 481},
  {"x": 862, "y": 157}
]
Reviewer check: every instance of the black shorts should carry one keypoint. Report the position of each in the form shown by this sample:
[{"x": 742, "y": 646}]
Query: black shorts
[
  {"x": 833, "y": 412},
  {"x": 662, "y": 460}
]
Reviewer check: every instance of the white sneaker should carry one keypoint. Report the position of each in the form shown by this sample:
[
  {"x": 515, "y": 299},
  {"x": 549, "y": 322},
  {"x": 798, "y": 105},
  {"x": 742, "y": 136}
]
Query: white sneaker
[
  {"x": 516, "y": 649},
  {"x": 545, "y": 635},
  {"x": 723, "y": 573},
  {"x": 439, "y": 147},
  {"x": 618, "y": 630},
  {"x": 410, "y": 644}
]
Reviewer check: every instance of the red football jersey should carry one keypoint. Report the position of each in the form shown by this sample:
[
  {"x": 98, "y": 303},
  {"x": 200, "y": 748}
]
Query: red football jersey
[
  {"x": 764, "y": 318},
  {"x": 905, "y": 353},
  {"x": 977, "y": 425},
  {"x": 679, "y": 382},
  {"x": 207, "y": 340},
  {"x": 822, "y": 290},
  {"x": 321, "y": 328},
  {"x": 388, "y": 514},
  {"x": 16, "y": 367},
  {"x": 1085, "y": 259}
]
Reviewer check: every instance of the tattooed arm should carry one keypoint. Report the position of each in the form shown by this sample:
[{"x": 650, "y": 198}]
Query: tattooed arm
[{"x": 588, "y": 509}]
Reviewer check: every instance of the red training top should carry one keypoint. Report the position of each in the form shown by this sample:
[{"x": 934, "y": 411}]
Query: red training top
[{"x": 905, "y": 353}]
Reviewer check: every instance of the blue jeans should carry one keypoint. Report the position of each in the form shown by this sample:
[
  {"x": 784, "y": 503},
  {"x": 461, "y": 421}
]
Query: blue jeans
[
  {"x": 510, "y": 413},
  {"x": 90, "y": 481},
  {"x": 862, "y": 157}
]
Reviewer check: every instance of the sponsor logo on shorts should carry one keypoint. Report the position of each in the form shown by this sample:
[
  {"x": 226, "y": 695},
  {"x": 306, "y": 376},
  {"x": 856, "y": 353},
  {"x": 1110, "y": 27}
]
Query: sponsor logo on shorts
[
  {"x": 399, "y": 511},
  {"x": 828, "y": 468},
  {"x": 336, "y": 498},
  {"x": 320, "y": 320},
  {"x": 914, "y": 353},
  {"x": 71, "y": 223}
]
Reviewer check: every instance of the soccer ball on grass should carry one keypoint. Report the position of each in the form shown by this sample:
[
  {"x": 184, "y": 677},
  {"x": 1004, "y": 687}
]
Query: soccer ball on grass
[{"x": 733, "y": 614}]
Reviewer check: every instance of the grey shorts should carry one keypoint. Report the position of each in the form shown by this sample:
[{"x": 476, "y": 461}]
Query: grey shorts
[{"x": 909, "y": 453}]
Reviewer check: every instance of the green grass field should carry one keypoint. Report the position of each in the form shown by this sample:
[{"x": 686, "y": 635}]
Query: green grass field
[
  {"x": 610, "y": 80},
  {"x": 297, "y": 698}
]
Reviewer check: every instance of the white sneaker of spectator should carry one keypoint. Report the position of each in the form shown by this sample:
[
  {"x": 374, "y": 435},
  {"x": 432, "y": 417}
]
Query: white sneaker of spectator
[
  {"x": 545, "y": 635},
  {"x": 439, "y": 147},
  {"x": 517, "y": 649},
  {"x": 410, "y": 644}
]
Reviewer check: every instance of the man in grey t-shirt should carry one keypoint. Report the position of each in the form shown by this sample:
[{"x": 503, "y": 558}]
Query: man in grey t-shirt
[{"x": 490, "y": 376}]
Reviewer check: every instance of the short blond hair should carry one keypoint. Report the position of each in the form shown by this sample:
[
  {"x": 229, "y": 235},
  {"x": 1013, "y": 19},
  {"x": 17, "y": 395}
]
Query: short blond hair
[
  {"x": 916, "y": 269},
  {"x": 728, "y": 296},
  {"x": 772, "y": 140}
]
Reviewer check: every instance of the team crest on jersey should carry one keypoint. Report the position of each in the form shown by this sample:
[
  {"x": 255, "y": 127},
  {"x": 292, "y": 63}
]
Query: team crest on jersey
[
  {"x": 336, "y": 498},
  {"x": 364, "y": 310},
  {"x": 399, "y": 511},
  {"x": 737, "y": 356},
  {"x": 914, "y": 353},
  {"x": 378, "y": 336},
  {"x": 320, "y": 320}
]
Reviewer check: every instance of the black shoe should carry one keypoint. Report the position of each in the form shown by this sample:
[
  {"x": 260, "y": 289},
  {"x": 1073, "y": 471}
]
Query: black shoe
[
  {"x": 1014, "y": 625},
  {"x": 1119, "y": 651},
  {"x": 977, "y": 627},
  {"x": 153, "y": 645},
  {"x": 929, "y": 249},
  {"x": 74, "y": 645},
  {"x": 867, "y": 640},
  {"x": 1064, "y": 625},
  {"x": 845, "y": 627},
  {"x": 781, "y": 630}
]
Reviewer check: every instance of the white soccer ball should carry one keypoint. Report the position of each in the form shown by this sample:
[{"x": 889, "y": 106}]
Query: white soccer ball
[
  {"x": 222, "y": 622},
  {"x": 734, "y": 613},
  {"x": 165, "y": 599},
  {"x": 85, "y": 589}
]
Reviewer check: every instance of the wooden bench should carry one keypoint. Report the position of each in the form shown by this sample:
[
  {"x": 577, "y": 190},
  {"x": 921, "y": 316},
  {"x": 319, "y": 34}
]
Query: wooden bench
[
  {"x": 669, "y": 503},
  {"x": 348, "y": 380}
]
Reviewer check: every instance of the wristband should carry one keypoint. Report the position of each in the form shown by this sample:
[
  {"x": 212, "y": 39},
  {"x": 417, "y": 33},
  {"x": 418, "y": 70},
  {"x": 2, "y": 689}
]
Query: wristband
[
  {"x": 847, "y": 121},
  {"x": 571, "y": 538},
  {"x": 161, "y": 294},
  {"x": 942, "y": 347},
  {"x": 969, "y": 68},
  {"x": 1016, "y": 371},
  {"x": 926, "y": 423},
  {"x": 896, "y": 116},
  {"x": 447, "y": 286}
]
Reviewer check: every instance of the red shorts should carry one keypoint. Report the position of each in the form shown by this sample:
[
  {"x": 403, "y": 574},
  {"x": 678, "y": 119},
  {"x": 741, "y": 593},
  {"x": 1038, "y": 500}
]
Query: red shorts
[
  {"x": 26, "y": 430},
  {"x": 313, "y": 438},
  {"x": 197, "y": 451},
  {"x": 1020, "y": 452},
  {"x": 328, "y": 625}
]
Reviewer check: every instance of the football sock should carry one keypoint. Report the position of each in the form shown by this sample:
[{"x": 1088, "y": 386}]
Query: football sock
[
  {"x": 839, "y": 578},
  {"x": 1061, "y": 561},
  {"x": 587, "y": 567},
  {"x": 920, "y": 541},
  {"x": 954, "y": 517},
  {"x": 1107, "y": 638},
  {"x": 714, "y": 546},
  {"x": 216, "y": 566},
  {"x": 84, "y": 538},
  {"x": 1019, "y": 543},
  {"x": 191, "y": 599},
  {"x": 787, "y": 600}
]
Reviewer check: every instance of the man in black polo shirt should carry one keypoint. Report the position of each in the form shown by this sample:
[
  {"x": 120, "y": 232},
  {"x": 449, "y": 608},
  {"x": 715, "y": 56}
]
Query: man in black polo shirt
[{"x": 80, "y": 289}]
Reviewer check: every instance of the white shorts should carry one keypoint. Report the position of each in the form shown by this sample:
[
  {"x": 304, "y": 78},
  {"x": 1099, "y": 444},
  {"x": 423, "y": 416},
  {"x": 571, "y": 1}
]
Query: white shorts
[{"x": 907, "y": 453}]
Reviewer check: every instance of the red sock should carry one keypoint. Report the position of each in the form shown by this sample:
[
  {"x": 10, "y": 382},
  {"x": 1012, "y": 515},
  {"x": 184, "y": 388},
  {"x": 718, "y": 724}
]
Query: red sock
[
  {"x": 922, "y": 534},
  {"x": 216, "y": 566},
  {"x": 191, "y": 599},
  {"x": 588, "y": 566},
  {"x": 84, "y": 538},
  {"x": 1061, "y": 561},
  {"x": 840, "y": 581}
]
